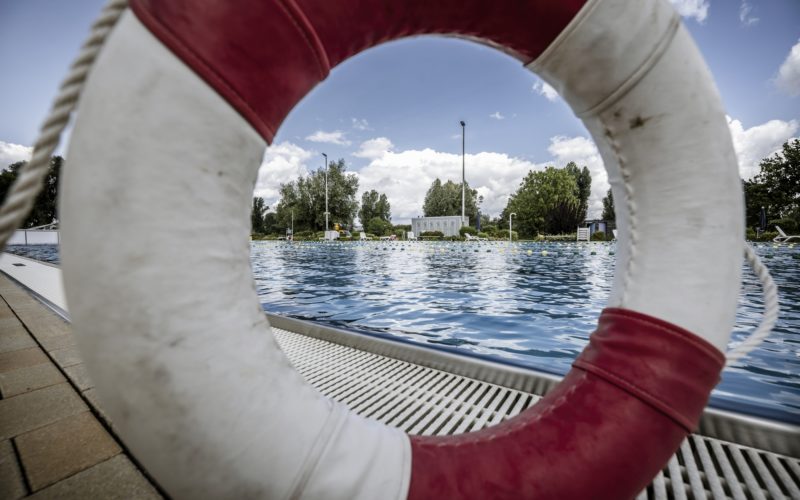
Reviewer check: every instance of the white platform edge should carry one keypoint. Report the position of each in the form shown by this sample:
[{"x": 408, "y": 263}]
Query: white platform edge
[{"x": 41, "y": 278}]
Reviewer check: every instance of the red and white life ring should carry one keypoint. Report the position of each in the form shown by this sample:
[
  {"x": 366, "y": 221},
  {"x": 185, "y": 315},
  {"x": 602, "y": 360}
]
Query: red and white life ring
[{"x": 162, "y": 162}]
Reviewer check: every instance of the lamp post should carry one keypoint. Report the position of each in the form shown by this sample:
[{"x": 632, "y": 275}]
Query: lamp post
[
  {"x": 512, "y": 214},
  {"x": 463, "y": 173},
  {"x": 326, "y": 192}
]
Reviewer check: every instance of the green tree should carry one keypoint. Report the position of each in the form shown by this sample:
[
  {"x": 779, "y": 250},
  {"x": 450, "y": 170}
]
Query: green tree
[
  {"x": 780, "y": 175},
  {"x": 755, "y": 197},
  {"x": 374, "y": 204},
  {"x": 546, "y": 201},
  {"x": 306, "y": 197},
  {"x": 45, "y": 208},
  {"x": 608, "y": 207},
  {"x": 564, "y": 216},
  {"x": 379, "y": 226},
  {"x": 776, "y": 188},
  {"x": 583, "y": 186},
  {"x": 271, "y": 224},
  {"x": 445, "y": 199},
  {"x": 257, "y": 214},
  {"x": 383, "y": 208}
]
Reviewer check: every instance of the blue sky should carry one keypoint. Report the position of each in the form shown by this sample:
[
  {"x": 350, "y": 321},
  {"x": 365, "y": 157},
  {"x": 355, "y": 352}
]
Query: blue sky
[{"x": 392, "y": 112}]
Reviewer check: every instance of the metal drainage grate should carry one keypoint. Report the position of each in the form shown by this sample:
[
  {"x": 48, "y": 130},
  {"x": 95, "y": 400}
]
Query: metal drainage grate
[{"x": 426, "y": 401}]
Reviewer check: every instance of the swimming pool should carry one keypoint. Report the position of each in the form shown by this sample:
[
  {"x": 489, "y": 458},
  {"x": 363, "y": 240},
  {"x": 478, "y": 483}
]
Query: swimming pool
[
  {"x": 511, "y": 303},
  {"x": 529, "y": 304}
]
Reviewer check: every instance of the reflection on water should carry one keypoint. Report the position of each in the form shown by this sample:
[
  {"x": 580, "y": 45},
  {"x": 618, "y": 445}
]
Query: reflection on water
[
  {"x": 508, "y": 302},
  {"x": 512, "y": 302}
]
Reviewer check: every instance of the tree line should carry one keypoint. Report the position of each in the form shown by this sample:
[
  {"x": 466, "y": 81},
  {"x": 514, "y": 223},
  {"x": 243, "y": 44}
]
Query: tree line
[
  {"x": 776, "y": 187},
  {"x": 550, "y": 201},
  {"x": 45, "y": 208},
  {"x": 302, "y": 205}
]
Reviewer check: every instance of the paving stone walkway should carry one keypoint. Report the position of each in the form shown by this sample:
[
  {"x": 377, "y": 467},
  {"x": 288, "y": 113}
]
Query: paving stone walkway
[{"x": 55, "y": 441}]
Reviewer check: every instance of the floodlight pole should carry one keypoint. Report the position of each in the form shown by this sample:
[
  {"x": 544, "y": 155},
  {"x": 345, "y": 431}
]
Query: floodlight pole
[
  {"x": 463, "y": 174},
  {"x": 326, "y": 191}
]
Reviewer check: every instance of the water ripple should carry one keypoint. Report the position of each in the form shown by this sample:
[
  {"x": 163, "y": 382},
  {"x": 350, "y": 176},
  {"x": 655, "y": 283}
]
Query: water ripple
[
  {"x": 520, "y": 307},
  {"x": 510, "y": 303}
]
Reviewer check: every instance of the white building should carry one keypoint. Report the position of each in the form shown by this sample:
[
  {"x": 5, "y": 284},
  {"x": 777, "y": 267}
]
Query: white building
[{"x": 448, "y": 225}]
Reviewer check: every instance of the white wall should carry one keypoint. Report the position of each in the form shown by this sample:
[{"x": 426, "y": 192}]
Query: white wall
[
  {"x": 449, "y": 226},
  {"x": 24, "y": 237}
]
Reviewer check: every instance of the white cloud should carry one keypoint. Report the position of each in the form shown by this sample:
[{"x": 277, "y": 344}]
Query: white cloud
[
  {"x": 374, "y": 148},
  {"x": 12, "y": 153},
  {"x": 336, "y": 137},
  {"x": 406, "y": 175},
  {"x": 746, "y": 14},
  {"x": 756, "y": 143},
  {"x": 360, "y": 124},
  {"x": 697, "y": 9},
  {"x": 788, "y": 77},
  {"x": 544, "y": 89},
  {"x": 282, "y": 163},
  {"x": 497, "y": 116}
]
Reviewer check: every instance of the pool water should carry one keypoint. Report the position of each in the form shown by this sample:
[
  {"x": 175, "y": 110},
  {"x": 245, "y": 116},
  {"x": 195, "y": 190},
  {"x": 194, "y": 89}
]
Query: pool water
[
  {"x": 528, "y": 304},
  {"x": 512, "y": 303}
]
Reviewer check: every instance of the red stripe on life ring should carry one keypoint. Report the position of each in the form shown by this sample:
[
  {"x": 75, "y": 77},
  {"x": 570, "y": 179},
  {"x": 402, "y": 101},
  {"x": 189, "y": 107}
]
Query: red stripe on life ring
[
  {"x": 602, "y": 433},
  {"x": 264, "y": 56}
]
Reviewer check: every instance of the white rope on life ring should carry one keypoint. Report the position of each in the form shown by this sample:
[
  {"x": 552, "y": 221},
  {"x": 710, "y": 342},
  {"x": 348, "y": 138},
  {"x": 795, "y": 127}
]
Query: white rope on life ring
[{"x": 263, "y": 431}]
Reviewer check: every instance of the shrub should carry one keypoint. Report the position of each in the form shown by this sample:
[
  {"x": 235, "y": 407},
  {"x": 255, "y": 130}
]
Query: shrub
[
  {"x": 467, "y": 230},
  {"x": 378, "y": 226},
  {"x": 557, "y": 237},
  {"x": 452, "y": 238},
  {"x": 503, "y": 235},
  {"x": 788, "y": 225},
  {"x": 599, "y": 236},
  {"x": 483, "y": 235},
  {"x": 437, "y": 234},
  {"x": 304, "y": 235},
  {"x": 768, "y": 236}
]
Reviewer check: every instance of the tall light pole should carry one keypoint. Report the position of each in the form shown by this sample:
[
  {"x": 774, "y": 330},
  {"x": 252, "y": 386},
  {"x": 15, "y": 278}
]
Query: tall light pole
[
  {"x": 326, "y": 191},
  {"x": 463, "y": 173},
  {"x": 512, "y": 214}
]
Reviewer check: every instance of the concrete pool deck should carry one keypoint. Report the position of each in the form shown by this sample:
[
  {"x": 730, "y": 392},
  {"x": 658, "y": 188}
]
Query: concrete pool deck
[{"x": 55, "y": 441}]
